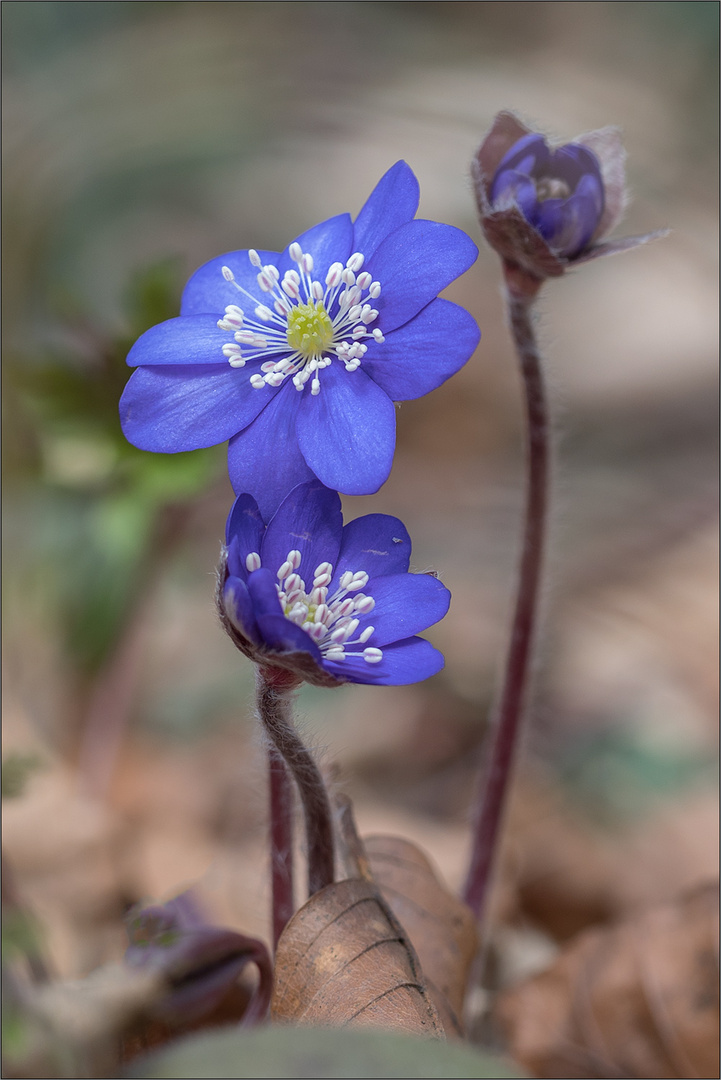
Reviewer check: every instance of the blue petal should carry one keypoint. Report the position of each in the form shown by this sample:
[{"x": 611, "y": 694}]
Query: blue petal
[
  {"x": 239, "y": 609},
  {"x": 393, "y": 202},
  {"x": 277, "y": 632},
  {"x": 405, "y": 604},
  {"x": 263, "y": 593},
  {"x": 194, "y": 340},
  {"x": 347, "y": 433},
  {"x": 591, "y": 188},
  {"x": 281, "y": 635},
  {"x": 310, "y": 521},
  {"x": 171, "y": 409},
  {"x": 245, "y": 528},
  {"x": 329, "y": 242},
  {"x": 376, "y": 543},
  {"x": 512, "y": 188},
  {"x": 235, "y": 560},
  {"x": 414, "y": 264},
  {"x": 531, "y": 146},
  {"x": 552, "y": 222},
  {"x": 572, "y": 161},
  {"x": 567, "y": 224},
  {"x": 208, "y": 291},
  {"x": 265, "y": 459},
  {"x": 421, "y": 355},
  {"x": 404, "y": 662}
]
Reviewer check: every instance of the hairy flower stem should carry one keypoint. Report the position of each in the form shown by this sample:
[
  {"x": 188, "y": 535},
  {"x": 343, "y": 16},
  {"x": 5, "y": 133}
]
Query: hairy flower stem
[
  {"x": 281, "y": 842},
  {"x": 508, "y": 716},
  {"x": 273, "y": 700}
]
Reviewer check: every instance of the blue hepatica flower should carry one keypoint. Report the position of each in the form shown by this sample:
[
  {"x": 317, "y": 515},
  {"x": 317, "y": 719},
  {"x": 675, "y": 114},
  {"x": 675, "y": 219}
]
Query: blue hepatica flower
[
  {"x": 298, "y": 357},
  {"x": 559, "y": 192},
  {"x": 329, "y": 602}
]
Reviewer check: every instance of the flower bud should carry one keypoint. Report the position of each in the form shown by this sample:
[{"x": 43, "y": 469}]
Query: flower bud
[
  {"x": 200, "y": 962},
  {"x": 544, "y": 209}
]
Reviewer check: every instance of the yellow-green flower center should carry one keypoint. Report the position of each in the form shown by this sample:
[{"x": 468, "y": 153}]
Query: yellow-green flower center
[{"x": 310, "y": 330}]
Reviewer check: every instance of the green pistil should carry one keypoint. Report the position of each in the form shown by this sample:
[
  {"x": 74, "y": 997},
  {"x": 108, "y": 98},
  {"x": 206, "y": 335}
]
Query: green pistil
[{"x": 310, "y": 330}]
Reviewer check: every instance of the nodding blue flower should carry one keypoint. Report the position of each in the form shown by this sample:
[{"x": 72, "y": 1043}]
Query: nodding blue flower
[
  {"x": 559, "y": 192},
  {"x": 327, "y": 602},
  {"x": 297, "y": 357}
]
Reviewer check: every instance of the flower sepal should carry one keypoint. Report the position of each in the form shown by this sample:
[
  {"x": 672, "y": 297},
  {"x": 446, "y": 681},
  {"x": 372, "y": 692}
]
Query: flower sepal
[{"x": 546, "y": 210}]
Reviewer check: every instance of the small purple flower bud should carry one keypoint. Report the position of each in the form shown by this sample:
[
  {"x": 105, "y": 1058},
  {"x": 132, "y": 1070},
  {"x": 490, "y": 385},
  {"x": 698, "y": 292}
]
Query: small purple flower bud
[
  {"x": 544, "y": 209},
  {"x": 200, "y": 962}
]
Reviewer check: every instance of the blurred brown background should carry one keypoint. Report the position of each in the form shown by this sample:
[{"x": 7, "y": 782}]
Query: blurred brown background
[{"x": 136, "y": 132}]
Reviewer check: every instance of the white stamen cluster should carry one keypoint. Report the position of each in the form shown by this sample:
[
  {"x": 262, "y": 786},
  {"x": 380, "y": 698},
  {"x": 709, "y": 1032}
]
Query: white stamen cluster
[
  {"x": 330, "y": 621},
  {"x": 301, "y": 299}
]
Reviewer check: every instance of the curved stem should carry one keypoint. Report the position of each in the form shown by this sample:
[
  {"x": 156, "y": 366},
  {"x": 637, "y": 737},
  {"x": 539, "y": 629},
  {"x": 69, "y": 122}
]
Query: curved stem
[
  {"x": 281, "y": 842},
  {"x": 509, "y": 712},
  {"x": 274, "y": 710}
]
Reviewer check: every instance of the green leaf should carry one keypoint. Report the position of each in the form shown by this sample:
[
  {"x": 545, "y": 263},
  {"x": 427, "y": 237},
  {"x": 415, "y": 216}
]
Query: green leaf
[
  {"x": 16, "y": 770},
  {"x": 153, "y": 293},
  {"x": 317, "y": 1052},
  {"x": 21, "y": 935}
]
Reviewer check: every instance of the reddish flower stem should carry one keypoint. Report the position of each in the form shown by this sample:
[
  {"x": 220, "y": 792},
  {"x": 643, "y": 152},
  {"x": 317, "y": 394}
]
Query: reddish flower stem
[
  {"x": 281, "y": 842},
  {"x": 509, "y": 713},
  {"x": 273, "y": 699}
]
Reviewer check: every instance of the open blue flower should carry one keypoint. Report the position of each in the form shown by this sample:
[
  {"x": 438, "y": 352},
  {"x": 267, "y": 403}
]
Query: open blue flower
[
  {"x": 297, "y": 357},
  {"x": 328, "y": 602},
  {"x": 559, "y": 192}
]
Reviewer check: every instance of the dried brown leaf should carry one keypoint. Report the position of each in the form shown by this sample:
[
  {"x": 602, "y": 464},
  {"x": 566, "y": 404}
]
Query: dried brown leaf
[
  {"x": 638, "y": 999},
  {"x": 565, "y": 874},
  {"x": 441, "y": 927},
  {"x": 343, "y": 960}
]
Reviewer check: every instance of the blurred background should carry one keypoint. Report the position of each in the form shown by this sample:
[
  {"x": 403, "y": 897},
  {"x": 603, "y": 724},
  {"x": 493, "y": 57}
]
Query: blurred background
[{"x": 141, "y": 140}]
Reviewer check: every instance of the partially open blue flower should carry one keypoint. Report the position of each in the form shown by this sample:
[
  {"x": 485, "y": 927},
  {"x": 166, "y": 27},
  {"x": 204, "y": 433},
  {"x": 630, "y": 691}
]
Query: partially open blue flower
[
  {"x": 297, "y": 357},
  {"x": 548, "y": 210},
  {"x": 328, "y": 602},
  {"x": 559, "y": 192}
]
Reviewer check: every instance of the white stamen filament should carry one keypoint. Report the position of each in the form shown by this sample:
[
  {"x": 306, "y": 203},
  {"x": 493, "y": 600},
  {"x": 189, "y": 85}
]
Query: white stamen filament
[
  {"x": 345, "y": 308},
  {"x": 331, "y": 621}
]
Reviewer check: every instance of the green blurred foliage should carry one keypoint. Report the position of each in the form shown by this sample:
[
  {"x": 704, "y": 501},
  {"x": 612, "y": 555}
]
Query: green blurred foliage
[
  {"x": 22, "y": 949},
  {"x": 318, "y": 1052},
  {"x": 94, "y": 514},
  {"x": 21, "y": 936},
  {"x": 16, "y": 771},
  {"x": 617, "y": 773}
]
